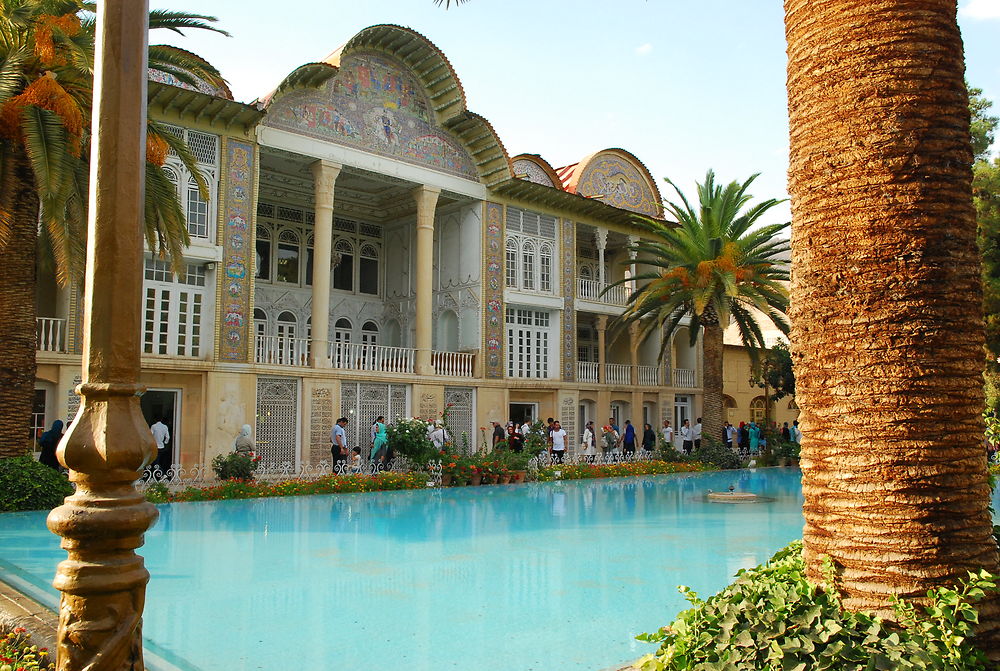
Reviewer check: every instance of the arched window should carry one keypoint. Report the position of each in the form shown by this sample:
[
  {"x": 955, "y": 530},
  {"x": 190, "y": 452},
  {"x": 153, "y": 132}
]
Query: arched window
[
  {"x": 512, "y": 263},
  {"x": 286, "y": 325},
  {"x": 528, "y": 267},
  {"x": 586, "y": 273},
  {"x": 342, "y": 330},
  {"x": 263, "y": 269},
  {"x": 341, "y": 342},
  {"x": 757, "y": 410},
  {"x": 447, "y": 340},
  {"x": 343, "y": 270},
  {"x": 368, "y": 270},
  {"x": 545, "y": 269},
  {"x": 393, "y": 334},
  {"x": 310, "y": 240},
  {"x": 197, "y": 211},
  {"x": 287, "y": 266},
  {"x": 369, "y": 333}
]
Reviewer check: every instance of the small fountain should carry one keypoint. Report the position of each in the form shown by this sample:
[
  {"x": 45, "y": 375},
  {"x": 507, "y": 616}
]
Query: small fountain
[{"x": 732, "y": 496}]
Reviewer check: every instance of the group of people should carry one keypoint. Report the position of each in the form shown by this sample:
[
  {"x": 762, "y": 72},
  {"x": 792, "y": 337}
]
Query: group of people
[
  {"x": 750, "y": 437},
  {"x": 515, "y": 435},
  {"x": 690, "y": 436},
  {"x": 49, "y": 441}
]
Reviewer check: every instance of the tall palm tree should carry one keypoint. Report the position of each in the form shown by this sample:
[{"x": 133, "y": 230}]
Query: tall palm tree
[
  {"x": 46, "y": 88},
  {"x": 711, "y": 267},
  {"x": 887, "y": 328}
]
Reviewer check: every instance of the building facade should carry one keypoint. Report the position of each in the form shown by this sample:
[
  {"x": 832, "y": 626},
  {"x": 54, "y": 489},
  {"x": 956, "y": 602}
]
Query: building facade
[{"x": 369, "y": 248}]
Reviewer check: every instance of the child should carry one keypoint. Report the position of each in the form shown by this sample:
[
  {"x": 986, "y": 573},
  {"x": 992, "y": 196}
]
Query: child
[{"x": 356, "y": 460}]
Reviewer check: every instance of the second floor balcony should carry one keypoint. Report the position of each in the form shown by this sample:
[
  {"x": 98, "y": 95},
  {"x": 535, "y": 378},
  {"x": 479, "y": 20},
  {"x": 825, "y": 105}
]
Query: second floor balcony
[
  {"x": 598, "y": 292},
  {"x": 623, "y": 374}
]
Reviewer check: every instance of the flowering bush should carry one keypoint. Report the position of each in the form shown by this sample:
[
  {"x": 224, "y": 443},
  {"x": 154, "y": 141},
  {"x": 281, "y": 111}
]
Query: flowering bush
[
  {"x": 631, "y": 468},
  {"x": 18, "y": 654},
  {"x": 332, "y": 484},
  {"x": 409, "y": 438},
  {"x": 235, "y": 466}
]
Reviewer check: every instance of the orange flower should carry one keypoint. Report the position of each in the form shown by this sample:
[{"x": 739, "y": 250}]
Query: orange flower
[
  {"x": 156, "y": 150},
  {"x": 45, "y": 93},
  {"x": 45, "y": 46}
]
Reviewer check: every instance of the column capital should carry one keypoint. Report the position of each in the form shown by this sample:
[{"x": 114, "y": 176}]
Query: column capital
[
  {"x": 602, "y": 322},
  {"x": 324, "y": 179},
  {"x": 601, "y": 238},
  {"x": 426, "y": 196}
]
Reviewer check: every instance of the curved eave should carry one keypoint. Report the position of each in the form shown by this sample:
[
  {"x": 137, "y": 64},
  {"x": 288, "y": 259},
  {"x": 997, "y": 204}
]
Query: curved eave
[
  {"x": 310, "y": 75},
  {"x": 570, "y": 203},
  {"x": 546, "y": 167},
  {"x": 483, "y": 145},
  {"x": 202, "y": 107}
]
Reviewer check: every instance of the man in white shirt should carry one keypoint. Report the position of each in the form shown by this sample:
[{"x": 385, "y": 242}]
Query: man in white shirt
[
  {"x": 687, "y": 437},
  {"x": 697, "y": 434},
  {"x": 338, "y": 441},
  {"x": 439, "y": 436},
  {"x": 730, "y": 436},
  {"x": 161, "y": 434},
  {"x": 557, "y": 442},
  {"x": 668, "y": 433}
]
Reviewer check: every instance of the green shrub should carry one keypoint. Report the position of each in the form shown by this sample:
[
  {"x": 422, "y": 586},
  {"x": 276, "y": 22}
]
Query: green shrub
[
  {"x": 157, "y": 492},
  {"x": 26, "y": 484},
  {"x": 716, "y": 453},
  {"x": 772, "y": 618},
  {"x": 234, "y": 466},
  {"x": 408, "y": 437}
]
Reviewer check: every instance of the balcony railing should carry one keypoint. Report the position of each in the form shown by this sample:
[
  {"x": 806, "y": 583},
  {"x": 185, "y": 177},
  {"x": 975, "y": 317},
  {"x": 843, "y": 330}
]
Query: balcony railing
[
  {"x": 593, "y": 290},
  {"x": 649, "y": 376},
  {"x": 618, "y": 373},
  {"x": 50, "y": 334},
  {"x": 453, "y": 364},
  {"x": 282, "y": 351},
  {"x": 586, "y": 371},
  {"x": 683, "y": 377},
  {"x": 377, "y": 358}
]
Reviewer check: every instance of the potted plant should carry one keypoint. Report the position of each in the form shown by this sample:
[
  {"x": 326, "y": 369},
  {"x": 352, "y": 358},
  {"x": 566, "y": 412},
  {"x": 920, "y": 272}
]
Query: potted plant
[{"x": 518, "y": 465}]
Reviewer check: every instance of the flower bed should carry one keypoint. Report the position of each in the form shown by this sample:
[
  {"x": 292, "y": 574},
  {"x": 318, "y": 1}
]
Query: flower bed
[
  {"x": 18, "y": 653},
  {"x": 333, "y": 484},
  {"x": 583, "y": 471}
]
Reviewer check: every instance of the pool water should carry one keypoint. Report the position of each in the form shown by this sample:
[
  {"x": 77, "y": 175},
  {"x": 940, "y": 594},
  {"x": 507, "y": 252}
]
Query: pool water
[{"x": 558, "y": 575}]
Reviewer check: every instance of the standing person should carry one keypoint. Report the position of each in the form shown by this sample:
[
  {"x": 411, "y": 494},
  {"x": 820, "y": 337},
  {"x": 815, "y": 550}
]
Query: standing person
[
  {"x": 439, "y": 436},
  {"x": 525, "y": 429},
  {"x": 668, "y": 434},
  {"x": 48, "y": 442},
  {"x": 161, "y": 434},
  {"x": 648, "y": 438},
  {"x": 796, "y": 432},
  {"x": 696, "y": 433},
  {"x": 549, "y": 424},
  {"x": 381, "y": 440},
  {"x": 786, "y": 433},
  {"x": 628, "y": 439},
  {"x": 338, "y": 442},
  {"x": 498, "y": 433},
  {"x": 589, "y": 444},
  {"x": 731, "y": 437},
  {"x": 687, "y": 437},
  {"x": 557, "y": 442},
  {"x": 754, "y": 433},
  {"x": 743, "y": 438},
  {"x": 515, "y": 441},
  {"x": 609, "y": 440}
]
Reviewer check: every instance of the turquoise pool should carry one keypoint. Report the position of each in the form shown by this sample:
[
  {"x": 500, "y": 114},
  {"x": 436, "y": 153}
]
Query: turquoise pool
[{"x": 544, "y": 576}]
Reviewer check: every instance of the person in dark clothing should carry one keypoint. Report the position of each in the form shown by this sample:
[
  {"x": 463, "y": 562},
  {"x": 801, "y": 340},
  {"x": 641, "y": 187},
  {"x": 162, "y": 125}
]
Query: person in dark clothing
[
  {"x": 515, "y": 441},
  {"x": 628, "y": 440},
  {"x": 786, "y": 433},
  {"x": 648, "y": 438},
  {"x": 498, "y": 433},
  {"x": 48, "y": 442},
  {"x": 744, "y": 438}
]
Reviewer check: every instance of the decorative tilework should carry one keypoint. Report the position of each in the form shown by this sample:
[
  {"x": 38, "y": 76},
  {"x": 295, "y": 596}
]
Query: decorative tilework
[
  {"x": 236, "y": 273},
  {"x": 493, "y": 328},
  {"x": 569, "y": 308},
  {"x": 162, "y": 77},
  {"x": 376, "y": 104},
  {"x": 532, "y": 172},
  {"x": 619, "y": 183}
]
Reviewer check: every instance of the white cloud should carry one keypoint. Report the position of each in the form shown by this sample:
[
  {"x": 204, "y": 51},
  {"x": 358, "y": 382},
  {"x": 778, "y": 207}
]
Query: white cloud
[
  {"x": 647, "y": 48},
  {"x": 981, "y": 9}
]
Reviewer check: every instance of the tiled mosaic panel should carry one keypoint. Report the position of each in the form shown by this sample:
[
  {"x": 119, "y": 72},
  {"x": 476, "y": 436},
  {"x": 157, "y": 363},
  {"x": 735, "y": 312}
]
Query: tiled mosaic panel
[
  {"x": 568, "y": 292},
  {"x": 376, "y": 104},
  {"x": 619, "y": 183},
  {"x": 321, "y": 421},
  {"x": 493, "y": 283},
  {"x": 532, "y": 172},
  {"x": 237, "y": 244}
]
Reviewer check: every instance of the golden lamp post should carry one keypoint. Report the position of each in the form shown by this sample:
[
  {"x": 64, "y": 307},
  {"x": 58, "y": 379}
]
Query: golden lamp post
[{"x": 103, "y": 581}]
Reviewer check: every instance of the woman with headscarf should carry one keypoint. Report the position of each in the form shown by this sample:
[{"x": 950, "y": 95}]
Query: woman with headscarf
[
  {"x": 48, "y": 442},
  {"x": 381, "y": 438},
  {"x": 244, "y": 443},
  {"x": 589, "y": 444},
  {"x": 648, "y": 438}
]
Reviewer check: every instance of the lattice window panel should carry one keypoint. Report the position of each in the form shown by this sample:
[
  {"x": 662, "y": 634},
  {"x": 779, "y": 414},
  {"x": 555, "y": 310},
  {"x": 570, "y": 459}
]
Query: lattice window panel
[
  {"x": 345, "y": 225},
  {"x": 460, "y": 414},
  {"x": 362, "y": 403},
  {"x": 370, "y": 230},
  {"x": 265, "y": 209},
  {"x": 277, "y": 419},
  {"x": 205, "y": 147},
  {"x": 532, "y": 223},
  {"x": 290, "y": 214}
]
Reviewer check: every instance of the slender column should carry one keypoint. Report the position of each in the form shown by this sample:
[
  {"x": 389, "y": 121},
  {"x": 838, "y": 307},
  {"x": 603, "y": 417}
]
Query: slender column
[
  {"x": 103, "y": 582},
  {"x": 324, "y": 180},
  {"x": 632, "y": 240},
  {"x": 633, "y": 337},
  {"x": 602, "y": 357},
  {"x": 426, "y": 198},
  {"x": 601, "y": 239}
]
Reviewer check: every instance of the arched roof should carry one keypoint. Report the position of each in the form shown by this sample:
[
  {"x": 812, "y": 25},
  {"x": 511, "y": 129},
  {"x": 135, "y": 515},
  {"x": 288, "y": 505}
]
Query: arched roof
[
  {"x": 429, "y": 66},
  {"x": 616, "y": 177},
  {"x": 534, "y": 168}
]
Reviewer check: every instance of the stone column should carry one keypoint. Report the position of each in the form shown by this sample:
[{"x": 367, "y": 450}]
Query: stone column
[
  {"x": 103, "y": 581},
  {"x": 426, "y": 198},
  {"x": 602, "y": 355},
  {"x": 632, "y": 240},
  {"x": 324, "y": 180},
  {"x": 633, "y": 341},
  {"x": 601, "y": 239}
]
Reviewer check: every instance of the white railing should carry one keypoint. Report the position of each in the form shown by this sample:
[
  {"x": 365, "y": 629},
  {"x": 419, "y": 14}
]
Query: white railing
[
  {"x": 282, "y": 351},
  {"x": 586, "y": 371},
  {"x": 649, "y": 376},
  {"x": 593, "y": 290},
  {"x": 49, "y": 334},
  {"x": 618, "y": 373},
  {"x": 683, "y": 377},
  {"x": 453, "y": 364},
  {"x": 378, "y": 358}
]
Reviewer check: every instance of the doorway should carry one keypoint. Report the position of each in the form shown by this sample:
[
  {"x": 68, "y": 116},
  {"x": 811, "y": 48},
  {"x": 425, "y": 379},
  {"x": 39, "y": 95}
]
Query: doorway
[
  {"x": 523, "y": 412},
  {"x": 164, "y": 404}
]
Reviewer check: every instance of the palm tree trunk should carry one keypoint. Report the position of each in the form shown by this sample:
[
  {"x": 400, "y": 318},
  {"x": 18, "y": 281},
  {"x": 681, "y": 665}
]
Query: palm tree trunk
[
  {"x": 18, "y": 199},
  {"x": 886, "y": 300},
  {"x": 712, "y": 406}
]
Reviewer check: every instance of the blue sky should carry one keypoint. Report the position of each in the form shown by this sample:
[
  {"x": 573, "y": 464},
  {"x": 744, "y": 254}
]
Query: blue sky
[{"x": 685, "y": 85}]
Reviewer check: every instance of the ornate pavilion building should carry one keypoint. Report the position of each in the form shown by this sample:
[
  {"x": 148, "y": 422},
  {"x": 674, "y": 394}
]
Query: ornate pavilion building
[{"x": 370, "y": 248}]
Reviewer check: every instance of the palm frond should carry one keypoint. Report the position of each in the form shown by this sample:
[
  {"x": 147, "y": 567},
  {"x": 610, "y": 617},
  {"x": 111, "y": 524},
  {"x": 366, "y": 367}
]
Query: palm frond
[
  {"x": 186, "y": 66},
  {"x": 178, "y": 22},
  {"x": 12, "y": 78},
  {"x": 165, "y": 225}
]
